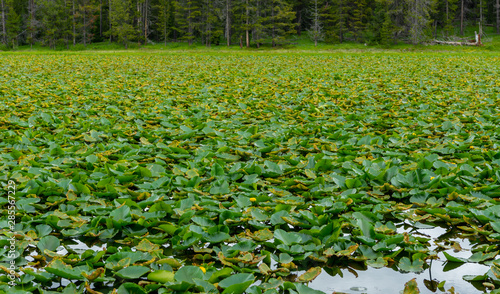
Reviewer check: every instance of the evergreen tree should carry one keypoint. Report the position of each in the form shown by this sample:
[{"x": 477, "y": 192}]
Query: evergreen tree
[
  {"x": 163, "y": 26},
  {"x": 358, "y": 18},
  {"x": 335, "y": 15},
  {"x": 239, "y": 19},
  {"x": 32, "y": 23},
  {"x": 280, "y": 23},
  {"x": 87, "y": 10},
  {"x": 212, "y": 30},
  {"x": 13, "y": 23},
  {"x": 50, "y": 21},
  {"x": 450, "y": 9},
  {"x": 258, "y": 21},
  {"x": 258, "y": 28},
  {"x": 121, "y": 21},
  {"x": 418, "y": 19},
  {"x": 381, "y": 26},
  {"x": 188, "y": 13},
  {"x": 303, "y": 16}
]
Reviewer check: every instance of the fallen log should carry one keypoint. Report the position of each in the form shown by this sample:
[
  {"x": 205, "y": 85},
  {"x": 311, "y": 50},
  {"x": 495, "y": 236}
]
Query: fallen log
[{"x": 457, "y": 43}]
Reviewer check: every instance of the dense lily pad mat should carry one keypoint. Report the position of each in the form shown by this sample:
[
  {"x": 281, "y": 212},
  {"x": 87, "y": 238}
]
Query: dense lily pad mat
[{"x": 197, "y": 173}]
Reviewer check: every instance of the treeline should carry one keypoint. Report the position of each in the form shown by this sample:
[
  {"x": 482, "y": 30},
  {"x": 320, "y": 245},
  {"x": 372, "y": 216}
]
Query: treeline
[{"x": 246, "y": 22}]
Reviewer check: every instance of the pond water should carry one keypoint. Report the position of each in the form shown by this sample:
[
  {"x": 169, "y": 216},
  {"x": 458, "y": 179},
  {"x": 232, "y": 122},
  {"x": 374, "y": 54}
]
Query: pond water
[{"x": 388, "y": 280}]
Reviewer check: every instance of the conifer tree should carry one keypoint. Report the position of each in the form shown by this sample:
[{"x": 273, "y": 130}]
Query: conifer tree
[
  {"x": 121, "y": 21},
  {"x": 163, "y": 25},
  {"x": 450, "y": 8},
  {"x": 212, "y": 30},
  {"x": 358, "y": 18},
  {"x": 13, "y": 23},
  {"x": 418, "y": 19},
  {"x": 188, "y": 13},
  {"x": 335, "y": 15},
  {"x": 280, "y": 23}
]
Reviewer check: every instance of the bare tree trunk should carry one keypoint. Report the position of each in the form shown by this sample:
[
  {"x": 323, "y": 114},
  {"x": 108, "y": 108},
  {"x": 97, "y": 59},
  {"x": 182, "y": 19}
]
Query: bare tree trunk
[
  {"x": 139, "y": 22},
  {"x": 165, "y": 24},
  {"x": 316, "y": 23},
  {"x": 146, "y": 22},
  {"x": 341, "y": 32},
  {"x": 190, "y": 26},
  {"x": 32, "y": 7},
  {"x": 66, "y": 36},
  {"x": 84, "y": 24},
  {"x": 255, "y": 34},
  {"x": 462, "y": 19},
  {"x": 299, "y": 21},
  {"x": 4, "y": 32},
  {"x": 100, "y": 18},
  {"x": 246, "y": 31},
  {"x": 447, "y": 17},
  {"x": 498, "y": 16},
  {"x": 74, "y": 25},
  {"x": 208, "y": 28},
  {"x": 228, "y": 37},
  {"x": 274, "y": 26},
  {"x": 109, "y": 17},
  {"x": 480, "y": 11}
]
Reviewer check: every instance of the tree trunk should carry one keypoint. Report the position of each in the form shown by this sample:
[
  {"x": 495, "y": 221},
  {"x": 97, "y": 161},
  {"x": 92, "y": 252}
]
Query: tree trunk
[
  {"x": 341, "y": 31},
  {"x": 316, "y": 23},
  {"x": 190, "y": 26},
  {"x": 498, "y": 16},
  {"x": 208, "y": 28},
  {"x": 100, "y": 19},
  {"x": 84, "y": 24},
  {"x": 74, "y": 25},
  {"x": 4, "y": 32},
  {"x": 139, "y": 23},
  {"x": 299, "y": 21},
  {"x": 165, "y": 24},
  {"x": 66, "y": 35},
  {"x": 274, "y": 25},
  {"x": 145, "y": 22},
  {"x": 228, "y": 37},
  {"x": 32, "y": 7},
  {"x": 109, "y": 17},
  {"x": 462, "y": 18},
  {"x": 255, "y": 33},
  {"x": 480, "y": 11},
  {"x": 247, "y": 28},
  {"x": 447, "y": 17}
]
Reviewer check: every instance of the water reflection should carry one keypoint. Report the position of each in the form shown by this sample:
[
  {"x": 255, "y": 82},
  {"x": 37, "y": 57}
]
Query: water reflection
[{"x": 388, "y": 280}]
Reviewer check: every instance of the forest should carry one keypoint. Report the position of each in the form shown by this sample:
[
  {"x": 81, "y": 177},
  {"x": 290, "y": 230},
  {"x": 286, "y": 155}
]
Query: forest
[{"x": 248, "y": 23}]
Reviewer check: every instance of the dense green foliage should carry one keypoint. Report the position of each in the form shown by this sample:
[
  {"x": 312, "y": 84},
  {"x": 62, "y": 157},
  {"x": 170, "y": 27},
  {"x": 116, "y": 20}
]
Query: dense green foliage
[
  {"x": 207, "y": 173},
  {"x": 246, "y": 22}
]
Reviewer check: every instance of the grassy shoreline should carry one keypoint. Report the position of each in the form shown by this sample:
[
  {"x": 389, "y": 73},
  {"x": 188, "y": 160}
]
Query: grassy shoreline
[{"x": 301, "y": 45}]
